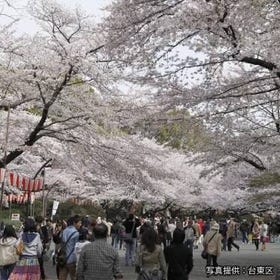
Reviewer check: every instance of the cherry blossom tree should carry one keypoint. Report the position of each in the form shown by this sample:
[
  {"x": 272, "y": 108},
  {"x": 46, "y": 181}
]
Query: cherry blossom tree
[
  {"x": 45, "y": 76},
  {"x": 58, "y": 86},
  {"x": 51, "y": 84},
  {"x": 218, "y": 59}
]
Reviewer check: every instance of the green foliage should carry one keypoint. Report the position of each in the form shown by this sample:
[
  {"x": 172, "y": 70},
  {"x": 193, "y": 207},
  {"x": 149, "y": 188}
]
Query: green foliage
[
  {"x": 68, "y": 208},
  {"x": 65, "y": 210},
  {"x": 5, "y": 216},
  {"x": 180, "y": 131},
  {"x": 262, "y": 197},
  {"x": 75, "y": 80},
  {"x": 35, "y": 111},
  {"x": 265, "y": 179}
]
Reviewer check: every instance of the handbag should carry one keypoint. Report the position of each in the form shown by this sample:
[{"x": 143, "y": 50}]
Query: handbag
[
  {"x": 19, "y": 247},
  {"x": 204, "y": 253}
]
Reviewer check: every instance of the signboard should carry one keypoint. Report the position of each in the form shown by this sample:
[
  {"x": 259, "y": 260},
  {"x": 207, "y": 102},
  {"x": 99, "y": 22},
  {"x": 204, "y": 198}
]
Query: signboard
[
  {"x": 55, "y": 206},
  {"x": 15, "y": 217}
]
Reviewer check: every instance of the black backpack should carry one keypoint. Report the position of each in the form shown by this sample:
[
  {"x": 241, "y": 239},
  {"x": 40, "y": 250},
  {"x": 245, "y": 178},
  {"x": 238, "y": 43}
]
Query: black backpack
[{"x": 61, "y": 257}]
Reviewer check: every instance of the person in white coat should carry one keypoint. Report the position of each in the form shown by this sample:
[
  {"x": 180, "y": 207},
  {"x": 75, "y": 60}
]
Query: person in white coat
[
  {"x": 213, "y": 245},
  {"x": 263, "y": 234},
  {"x": 8, "y": 255}
]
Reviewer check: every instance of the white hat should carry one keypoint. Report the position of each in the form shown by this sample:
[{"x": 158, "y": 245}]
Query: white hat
[{"x": 215, "y": 226}]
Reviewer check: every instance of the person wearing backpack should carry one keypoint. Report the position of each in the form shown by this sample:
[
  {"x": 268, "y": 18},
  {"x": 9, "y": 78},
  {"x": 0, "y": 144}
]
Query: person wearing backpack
[{"x": 70, "y": 236}]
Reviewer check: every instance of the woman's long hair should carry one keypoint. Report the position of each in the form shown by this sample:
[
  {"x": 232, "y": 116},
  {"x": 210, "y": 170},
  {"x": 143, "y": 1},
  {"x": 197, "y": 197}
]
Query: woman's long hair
[
  {"x": 148, "y": 239},
  {"x": 9, "y": 231}
]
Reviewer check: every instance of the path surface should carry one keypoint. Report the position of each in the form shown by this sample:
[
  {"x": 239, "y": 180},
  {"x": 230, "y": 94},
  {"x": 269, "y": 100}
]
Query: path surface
[{"x": 248, "y": 261}]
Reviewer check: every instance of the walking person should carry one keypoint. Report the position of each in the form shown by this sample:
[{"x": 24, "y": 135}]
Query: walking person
[
  {"x": 70, "y": 236},
  {"x": 263, "y": 234},
  {"x": 244, "y": 228},
  {"x": 43, "y": 229},
  {"x": 190, "y": 235},
  {"x": 130, "y": 224},
  {"x": 213, "y": 244},
  {"x": 170, "y": 231},
  {"x": 8, "y": 255},
  {"x": 28, "y": 265},
  {"x": 56, "y": 237},
  {"x": 115, "y": 230},
  {"x": 83, "y": 240},
  {"x": 150, "y": 260},
  {"x": 256, "y": 234},
  {"x": 162, "y": 232},
  {"x": 223, "y": 231},
  {"x": 206, "y": 227},
  {"x": 231, "y": 235},
  {"x": 197, "y": 233},
  {"x": 121, "y": 233},
  {"x": 178, "y": 257},
  {"x": 98, "y": 259}
]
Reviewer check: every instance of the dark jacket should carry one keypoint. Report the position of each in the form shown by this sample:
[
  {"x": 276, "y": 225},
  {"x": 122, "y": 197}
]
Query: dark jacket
[
  {"x": 129, "y": 226},
  {"x": 180, "y": 261}
]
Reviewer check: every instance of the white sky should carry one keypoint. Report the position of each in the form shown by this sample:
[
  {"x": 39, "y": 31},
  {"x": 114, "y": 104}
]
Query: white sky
[
  {"x": 90, "y": 6},
  {"x": 25, "y": 25}
]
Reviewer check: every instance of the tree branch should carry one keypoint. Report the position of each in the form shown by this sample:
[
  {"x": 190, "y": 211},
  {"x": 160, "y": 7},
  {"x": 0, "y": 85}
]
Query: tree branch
[
  {"x": 262, "y": 63},
  {"x": 15, "y": 104}
]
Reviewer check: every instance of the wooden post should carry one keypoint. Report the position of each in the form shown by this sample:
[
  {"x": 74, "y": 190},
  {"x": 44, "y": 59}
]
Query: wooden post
[{"x": 5, "y": 156}]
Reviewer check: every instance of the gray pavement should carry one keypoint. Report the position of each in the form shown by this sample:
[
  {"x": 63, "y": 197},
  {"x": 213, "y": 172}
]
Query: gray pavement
[{"x": 247, "y": 261}]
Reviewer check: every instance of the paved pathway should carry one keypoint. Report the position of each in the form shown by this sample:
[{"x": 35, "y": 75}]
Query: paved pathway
[{"x": 248, "y": 260}]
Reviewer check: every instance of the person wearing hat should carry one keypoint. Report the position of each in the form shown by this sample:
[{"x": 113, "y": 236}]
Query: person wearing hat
[{"x": 213, "y": 244}]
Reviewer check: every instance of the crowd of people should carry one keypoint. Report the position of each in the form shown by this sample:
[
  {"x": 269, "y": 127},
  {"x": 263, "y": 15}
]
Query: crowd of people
[{"x": 159, "y": 249}]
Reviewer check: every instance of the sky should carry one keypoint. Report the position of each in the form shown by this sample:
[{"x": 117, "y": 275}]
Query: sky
[
  {"x": 25, "y": 25},
  {"x": 90, "y": 6}
]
